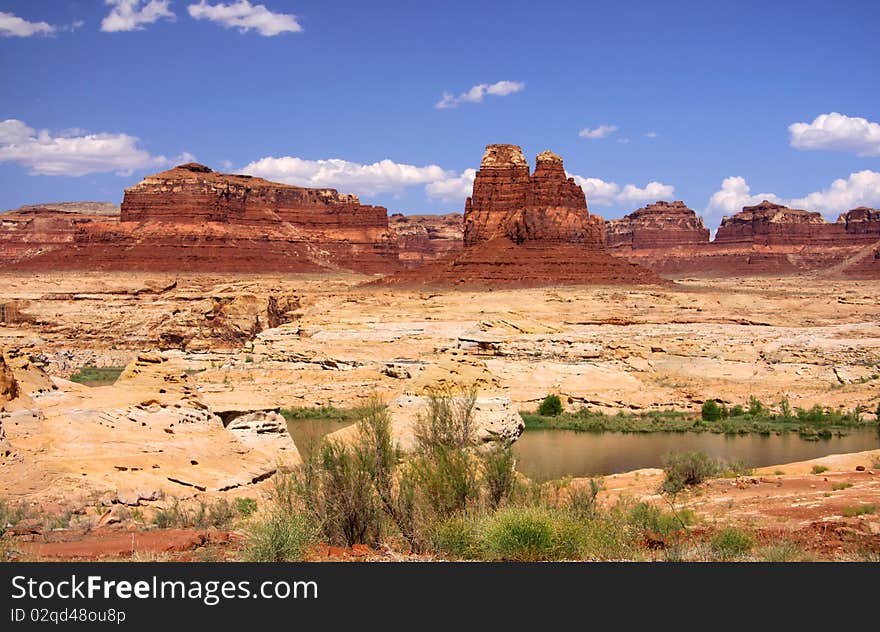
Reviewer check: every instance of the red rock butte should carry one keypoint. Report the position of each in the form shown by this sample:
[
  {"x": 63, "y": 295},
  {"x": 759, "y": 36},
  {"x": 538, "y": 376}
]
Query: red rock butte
[
  {"x": 524, "y": 229},
  {"x": 191, "y": 218},
  {"x": 764, "y": 239}
]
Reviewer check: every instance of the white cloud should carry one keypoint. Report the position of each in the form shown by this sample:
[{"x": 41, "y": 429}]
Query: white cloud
[
  {"x": 379, "y": 177},
  {"x": 14, "y": 26},
  {"x": 598, "y": 132},
  {"x": 861, "y": 188},
  {"x": 75, "y": 153},
  {"x": 837, "y": 132},
  {"x": 478, "y": 92},
  {"x": 651, "y": 135},
  {"x": 131, "y": 15},
  {"x": 734, "y": 194},
  {"x": 453, "y": 188},
  {"x": 602, "y": 193},
  {"x": 246, "y": 17}
]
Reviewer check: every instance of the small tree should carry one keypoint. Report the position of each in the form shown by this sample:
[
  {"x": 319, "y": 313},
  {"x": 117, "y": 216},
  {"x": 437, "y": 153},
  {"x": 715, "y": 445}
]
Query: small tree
[
  {"x": 711, "y": 410},
  {"x": 551, "y": 406}
]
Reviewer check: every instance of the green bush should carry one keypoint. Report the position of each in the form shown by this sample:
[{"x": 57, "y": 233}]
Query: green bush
[
  {"x": 861, "y": 510},
  {"x": 550, "y": 407},
  {"x": 245, "y": 506},
  {"x": 647, "y": 518},
  {"x": 498, "y": 474},
  {"x": 877, "y": 412},
  {"x": 819, "y": 469},
  {"x": 281, "y": 537},
  {"x": 711, "y": 411},
  {"x": 457, "y": 536},
  {"x": 686, "y": 469},
  {"x": 731, "y": 543},
  {"x": 531, "y": 534},
  {"x": 784, "y": 551},
  {"x": 756, "y": 407}
]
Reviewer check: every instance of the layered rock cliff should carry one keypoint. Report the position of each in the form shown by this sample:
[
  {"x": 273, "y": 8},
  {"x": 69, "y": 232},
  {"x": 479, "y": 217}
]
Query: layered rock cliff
[
  {"x": 191, "y": 218},
  {"x": 525, "y": 229},
  {"x": 424, "y": 238},
  {"x": 657, "y": 225},
  {"x": 764, "y": 239}
]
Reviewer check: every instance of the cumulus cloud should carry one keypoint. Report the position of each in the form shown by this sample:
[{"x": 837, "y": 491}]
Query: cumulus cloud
[
  {"x": 453, "y": 188},
  {"x": 131, "y": 15},
  {"x": 75, "y": 153},
  {"x": 598, "y": 132},
  {"x": 14, "y": 26},
  {"x": 478, "y": 92},
  {"x": 837, "y": 132},
  {"x": 734, "y": 194},
  {"x": 651, "y": 135},
  {"x": 602, "y": 193},
  {"x": 861, "y": 188},
  {"x": 379, "y": 177},
  {"x": 246, "y": 17}
]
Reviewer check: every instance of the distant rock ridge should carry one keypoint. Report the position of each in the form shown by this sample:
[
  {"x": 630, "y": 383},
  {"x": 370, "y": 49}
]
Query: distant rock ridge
[
  {"x": 658, "y": 225},
  {"x": 524, "y": 229},
  {"x": 191, "y": 218}
]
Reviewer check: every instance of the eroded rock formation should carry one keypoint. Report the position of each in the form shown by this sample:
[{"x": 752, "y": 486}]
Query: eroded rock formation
[
  {"x": 191, "y": 218},
  {"x": 764, "y": 239},
  {"x": 424, "y": 238},
  {"x": 657, "y": 225},
  {"x": 523, "y": 229}
]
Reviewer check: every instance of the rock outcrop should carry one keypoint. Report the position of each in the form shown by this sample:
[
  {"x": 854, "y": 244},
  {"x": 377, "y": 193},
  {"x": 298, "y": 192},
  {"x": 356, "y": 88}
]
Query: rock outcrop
[
  {"x": 526, "y": 230},
  {"x": 657, "y": 225},
  {"x": 769, "y": 224},
  {"x": 764, "y": 239},
  {"x": 424, "y": 238},
  {"x": 8, "y": 384},
  {"x": 191, "y": 218}
]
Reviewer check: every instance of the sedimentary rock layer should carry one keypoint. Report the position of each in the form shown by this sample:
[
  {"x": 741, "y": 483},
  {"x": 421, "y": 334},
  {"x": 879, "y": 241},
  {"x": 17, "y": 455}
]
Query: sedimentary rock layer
[
  {"x": 526, "y": 230},
  {"x": 424, "y": 238},
  {"x": 193, "y": 219},
  {"x": 657, "y": 225}
]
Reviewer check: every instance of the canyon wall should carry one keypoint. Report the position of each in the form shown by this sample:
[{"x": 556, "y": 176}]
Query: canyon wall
[
  {"x": 657, "y": 225},
  {"x": 191, "y": 218},
  {"x": 424, "y": 238}
]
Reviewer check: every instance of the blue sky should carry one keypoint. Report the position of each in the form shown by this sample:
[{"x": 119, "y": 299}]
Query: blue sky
[{"x": 697, "y": 98}]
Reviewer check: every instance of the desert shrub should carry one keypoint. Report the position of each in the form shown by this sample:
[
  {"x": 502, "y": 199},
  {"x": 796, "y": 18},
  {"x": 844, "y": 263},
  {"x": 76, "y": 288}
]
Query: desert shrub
[
  {"x": 530, "y": 534},
  {"x": 784, "y": 551},
  {"x": 647, "y": 518},
  {"x": 686, "y": 469},
  {"x": 245, "y": 506},
  {"x": 498, "y": 474},
  {"x": 711, "y": 411},
  {"x": 735, "y": 468},
  {"x": 861, "y": 510},
  {"x": 786, "y": 409},
  {"x": 838, "y": 487},
  {"x": 731, "y": 543},
  {"x": 449, "y": 420},
  {"x": 11, "y": 515},
  {"x": 877, "y": 411},
  {"x": 756, "y": 407},
  {"x": 281, "y": 537},
  {"x": 582, "y": 499},
  {"x": 737, "y": 411},
  {"x": 173, "y": 515},
  {"x": 819, "y": 469},
  {"x": 550, "y": 407},
  {"x": 220, "y": 514},
  {"x": 457, "y": 536}
]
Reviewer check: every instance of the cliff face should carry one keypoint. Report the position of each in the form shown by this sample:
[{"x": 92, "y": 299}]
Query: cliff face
[
  {"x": 525, "y": 230},
  {"x": 768, "y": 224},
  {"x": 510, "y": 202},
  {"x": 193, "y": 219},
  {"x": 765, "y": 239},
  {"x": 193, "y": 193},
  {"x": 424, "y": 238},
  {"x": 658, "y": 225}
]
